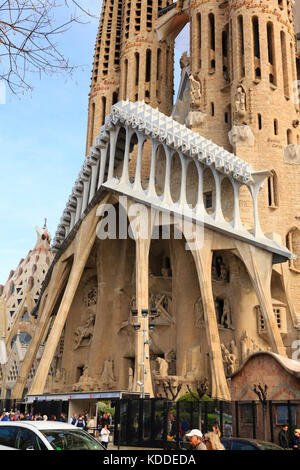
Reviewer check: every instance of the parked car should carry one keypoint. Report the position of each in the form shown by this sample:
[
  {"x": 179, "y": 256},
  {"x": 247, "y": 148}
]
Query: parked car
[
  {"x": 235, "y": 443},
  {"x": 45, "y": 435}
]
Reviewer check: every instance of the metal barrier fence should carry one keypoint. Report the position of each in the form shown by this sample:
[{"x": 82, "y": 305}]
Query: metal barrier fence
[{"x": 162, "y": 423}]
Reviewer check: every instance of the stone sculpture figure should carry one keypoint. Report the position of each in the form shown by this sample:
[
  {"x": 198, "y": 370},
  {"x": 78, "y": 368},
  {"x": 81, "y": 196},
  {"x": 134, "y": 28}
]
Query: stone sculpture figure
[
  {"x": 195, "y": 92},
  {"x": 85, "y": 382},
  {"x": 229, "y": 360},
  {"x": 240, "y": 104},
  {"x": 85, "y": 331}
]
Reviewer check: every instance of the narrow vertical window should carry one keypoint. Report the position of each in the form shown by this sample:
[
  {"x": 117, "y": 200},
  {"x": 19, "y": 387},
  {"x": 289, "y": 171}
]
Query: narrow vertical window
[
  {"x": 289, "y": 137},
  {"x": 211, "y": 18},
  {"x": 137, "y": 67},
  {"x": 158, "y": 65},
  {"x": 241, "y": 45},
  {"x": 103, "y": 111},
  {"x": 92, "y": 123},
  {"x": 284, "y": 65},
  {"x": 272, "y": 190},
  {"x": 199, "y": 39},
  {"x": 275, "y": 127},
  {"x": 125, "y": 78},
  {"x": 212, "y": 106},
  {"x": 259, "y": 120},
  {"x": 271, "y": 54},
  {"x": 148, "y": 66},
  {"x": 256, "y": 43}
]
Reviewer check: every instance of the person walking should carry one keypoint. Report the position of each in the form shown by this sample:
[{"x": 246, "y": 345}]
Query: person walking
[
  {"x": 73, "y": 419},
  {"x": 212, "y": 441},
  {"x": 195, "y": 437},
  {"x": 80, "y": 423},
  {"x": 295, "y": 441},
  {"x": 91, "y": 425},
  {"x": 105, "y": 432},
  {"x": 227, "y": 429},
  {"x": 283, "y": 437}
]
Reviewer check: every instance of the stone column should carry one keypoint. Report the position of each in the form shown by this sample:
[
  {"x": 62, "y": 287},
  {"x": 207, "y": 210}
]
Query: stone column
[
  {"x": 259, "y": 266},
  {"x": 142, "y": 296},
  {"x": 202, "y": 254},
  {"x": 83, "y": 244}
]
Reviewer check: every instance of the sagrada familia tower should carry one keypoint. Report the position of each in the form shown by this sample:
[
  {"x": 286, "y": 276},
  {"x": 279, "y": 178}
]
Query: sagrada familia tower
[{"x": 220, "y": 280}]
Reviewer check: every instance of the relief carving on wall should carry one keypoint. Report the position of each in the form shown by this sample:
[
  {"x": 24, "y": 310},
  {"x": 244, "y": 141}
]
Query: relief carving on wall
[
  {"x": 230, "y": 358},
  {"x": 84, "y": 332},
  {"x": 85, "y": 383}
]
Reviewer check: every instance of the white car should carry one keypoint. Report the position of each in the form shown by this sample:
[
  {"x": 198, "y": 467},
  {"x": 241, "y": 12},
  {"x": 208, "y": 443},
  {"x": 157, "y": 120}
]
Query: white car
[{"x": 45, "y": 435}]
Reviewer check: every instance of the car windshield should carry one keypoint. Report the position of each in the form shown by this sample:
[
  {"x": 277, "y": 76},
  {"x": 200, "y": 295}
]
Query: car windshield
[{"x": 68, "y": 439}]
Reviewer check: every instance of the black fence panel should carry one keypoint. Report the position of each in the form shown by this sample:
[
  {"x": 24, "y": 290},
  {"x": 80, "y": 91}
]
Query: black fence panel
[{"x": 163, "y": 424}]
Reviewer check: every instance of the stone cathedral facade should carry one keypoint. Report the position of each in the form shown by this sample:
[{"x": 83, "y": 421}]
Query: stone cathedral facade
[{"x": 229, "y": 149}]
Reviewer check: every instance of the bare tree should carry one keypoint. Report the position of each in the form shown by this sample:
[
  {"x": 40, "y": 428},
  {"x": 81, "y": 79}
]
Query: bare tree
[{"x": 29, "y": 31}]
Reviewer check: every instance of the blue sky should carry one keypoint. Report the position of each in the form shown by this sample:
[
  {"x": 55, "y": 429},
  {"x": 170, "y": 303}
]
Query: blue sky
[{"x": 42, "y": 136}]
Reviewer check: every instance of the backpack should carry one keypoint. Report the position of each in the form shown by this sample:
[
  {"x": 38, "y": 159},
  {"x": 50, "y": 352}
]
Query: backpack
[{"x": 80, "y": 423}]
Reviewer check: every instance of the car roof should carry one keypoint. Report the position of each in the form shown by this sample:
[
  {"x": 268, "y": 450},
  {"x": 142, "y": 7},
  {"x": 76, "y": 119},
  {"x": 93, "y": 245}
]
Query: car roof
[{"x": 41, "y": 425}]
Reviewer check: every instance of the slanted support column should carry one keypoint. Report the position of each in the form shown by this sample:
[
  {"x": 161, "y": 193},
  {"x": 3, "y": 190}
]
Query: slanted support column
[
  {"x": 143, "y": 241},
  {"x": 83, "y": 244},
  {"x": 202, "y": 254},
  {"x": 259, "y": 266},
  {"x": 59, "y": 275}
]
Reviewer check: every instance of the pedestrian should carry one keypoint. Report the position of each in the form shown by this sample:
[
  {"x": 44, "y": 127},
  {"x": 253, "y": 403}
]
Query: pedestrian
[
  {"x": 5, "y": 417},
  {"x": 195, "y": 437},
  {"x": 105, "y": 435},
  {"x": 295, "y": 441},
  {"x": 212, "y": 441},
  {"x": 283, "y": 437},
  {"x": 216, "y": 429},
  {"x": 91, "y": 425},
  {"x": 73, "y": 419},
  {"x": 62, "y": 418},
  {"x": 45, "y": 418},
  {"x": 227, "y": 429},
  {"x": 80, "y": 423}
]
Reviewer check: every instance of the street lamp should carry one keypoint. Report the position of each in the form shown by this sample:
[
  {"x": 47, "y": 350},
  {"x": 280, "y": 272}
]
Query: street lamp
[{"x": 137, "y": 326}]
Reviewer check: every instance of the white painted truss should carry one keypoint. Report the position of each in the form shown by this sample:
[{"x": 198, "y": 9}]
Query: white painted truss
[{"x": 147, "y": 123}]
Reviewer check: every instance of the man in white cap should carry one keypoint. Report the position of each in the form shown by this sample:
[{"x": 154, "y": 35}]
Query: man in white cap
[{"x": 195, "y": 438}]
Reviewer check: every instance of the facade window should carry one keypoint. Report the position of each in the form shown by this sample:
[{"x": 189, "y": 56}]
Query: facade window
[
  {"x": 208, "y": 200},
  {"x": 259, "y": 120},
  {"x": 284, "y": 65},
  {"x": 279, "y": 311},
  {"x": 273, "y": 190},
  {"x": 282, "y": 414}
]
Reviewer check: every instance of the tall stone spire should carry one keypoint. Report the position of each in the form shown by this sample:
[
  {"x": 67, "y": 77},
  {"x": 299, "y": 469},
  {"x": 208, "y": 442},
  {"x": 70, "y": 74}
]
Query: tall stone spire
[
  {"x": 129, "y": 61},
  {"x": 146, "y": 64},
  {"x": 106, "y": 68}
]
